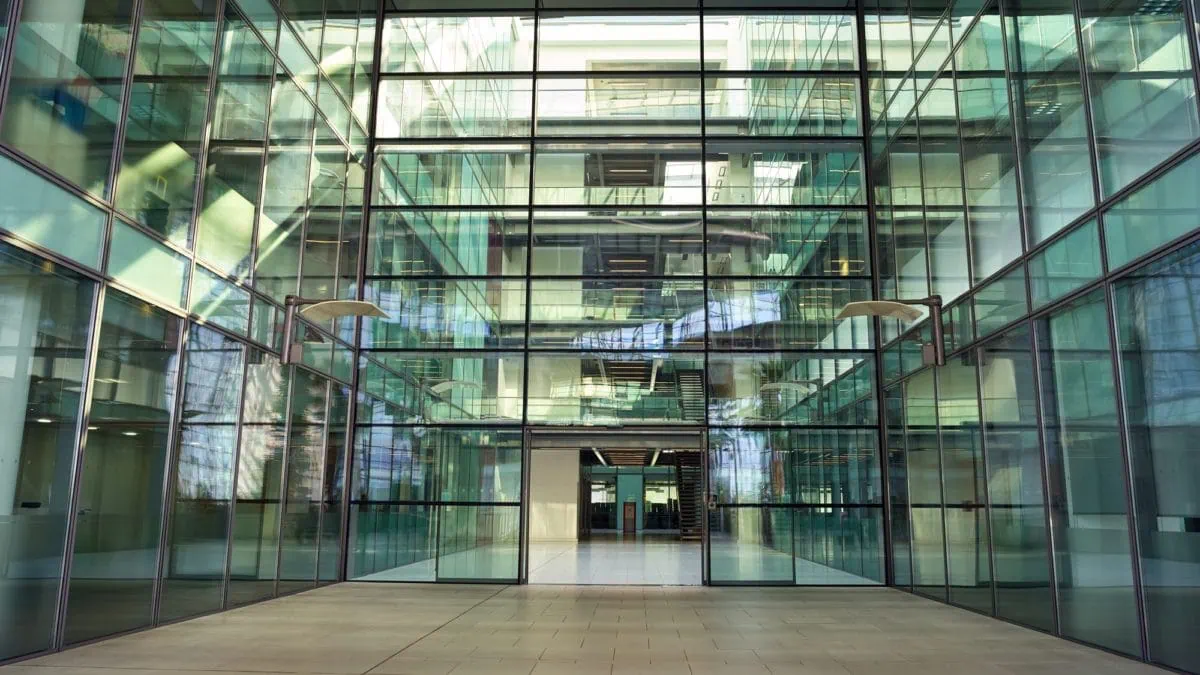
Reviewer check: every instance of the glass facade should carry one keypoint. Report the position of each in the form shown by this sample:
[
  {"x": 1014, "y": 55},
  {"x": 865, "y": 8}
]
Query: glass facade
[{"x": 590, "y": 216}]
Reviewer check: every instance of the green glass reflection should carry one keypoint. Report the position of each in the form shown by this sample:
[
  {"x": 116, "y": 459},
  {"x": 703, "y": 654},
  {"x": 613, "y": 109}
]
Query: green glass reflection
[
  {"x": 193, "y": 573},
  {"x": 1143, "y": 93},
  {"x": 333, "y": 485},
  {"x": 618, "y": 106},
  {"x": 219, "y": 302},
  {"x": 457, "y": 108},
  {"x": 782, "y": 106},
  {"x": 478, "y": 542},
  {"x": 794, "y": 466},
  {"x": 627, "y": 314},
  {"x": 612, "y": 242},
  {"x": 786, "y": 315},
  {"x": 791, "y": 388},
  {"x": 446, "y": 314},
  {"x": 895, "y": 451},
  {"x": 618, "y": 175},
  {"x": 35, "y": 209},
  {"x": 745, "y": 173},
  {"x": 838, "y": 546},
  {"x": 440, "y": 44},
  {"x": 924, "y": 463},
  {"x": 764, "y": 242},
  {"x": 616, "y": 388},
  {"x": 300, "y": 520},
  {"x": 64, "y": 96},
  {"x": 618, "y": 42},
  {"x": 751, "y": 544},
  {"x": 1089, "y": 512},
  {"x": 125, "y": 459},
  {"x": 785, "y": 41},
  {"x": 494, "y": 176},
  {"x": 1153, "y": 215},
  {"x": 45, "y": 337},
  {"x": 451, "y": 386},
  {"x": 447, "y": 243},
  {"x": 140, "y": 262},
  {"x": 1065, "y": 265},
  {"x": 1000, "y": 302}
]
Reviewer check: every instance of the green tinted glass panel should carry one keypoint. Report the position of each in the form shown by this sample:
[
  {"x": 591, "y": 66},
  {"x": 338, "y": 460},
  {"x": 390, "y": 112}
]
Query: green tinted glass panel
[
  {"x": 786, "y": 315},
  {"x": 618, "y": 106},
  {"x": 627, "y": 314},
  {"x": 147, "y": 265},
  {"x": 791, "y": 388},
  {"x": 454, "y": 108},
  {"x": 616, "y": 388},
  {"x": 446, "y": 314},
  {"x": 47, "y": 215},
  {"x": 1154, "y": 215},
  {"x": 219, "y": 302},
  {"x": 781, "y": 106},
  {"x": 766, "y": 242},
  {"x": 1065, "y": 265}
]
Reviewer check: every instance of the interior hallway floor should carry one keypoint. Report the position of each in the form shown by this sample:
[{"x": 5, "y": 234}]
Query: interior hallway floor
[
  {"x": 393, "y": 629},
  {"x": 611, "y": 560}
]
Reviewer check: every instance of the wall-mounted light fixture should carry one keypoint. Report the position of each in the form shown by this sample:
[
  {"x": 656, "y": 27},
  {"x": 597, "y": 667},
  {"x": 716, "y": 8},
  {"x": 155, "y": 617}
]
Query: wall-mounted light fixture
[
  {"x": 932, "y": 353},
  {"x": 318, "y": 311}
]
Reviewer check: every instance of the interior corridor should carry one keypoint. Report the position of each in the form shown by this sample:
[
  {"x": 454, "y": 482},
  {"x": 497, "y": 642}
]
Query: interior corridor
[
  {"x": 391, "y": 629},
  {"x": 655, "y": 560}
]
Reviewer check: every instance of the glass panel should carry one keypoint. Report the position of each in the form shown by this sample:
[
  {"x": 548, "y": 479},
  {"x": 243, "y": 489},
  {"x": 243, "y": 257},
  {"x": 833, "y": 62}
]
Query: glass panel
[
  {"x": 458, "y": 44},
  {"x": 616, "y": 388},
  {"x": 125, "y": 461},
  {"x": 632, "y": 314},
  {"x": 219, "y": 302},
  {"x": 478, "y": 542},
  {"x": 259, "y": 480},
  {"x": 1065, "y": 265},
  {"x": 1160, "y": 348},
  {"x": 1000, "y": 302},
  {"x": 165, "y": 123},
  {"x": 1142, "y": 91},
  {"x": 794, "y": 466},
  {"x": 453, "y": 386},
  {"x": 786, "y": 315},
  {"x": 618, "y": 106},
  {"x": 1014, "y": 481},
  {"x": 35, "y": 209},
  {"x": 193, "y": 574},
  {"x": 745, "y": 173},
  {"x": 750, "y": 544},
  {"x": 64, "y": 97},
  {"x": 1047, "y": 94},
  {"x": 616, "y": 242},
  {"x": 302, "y": 504},
  {"x": 782, "y": 42},
  {"x": 838, "y": 545},
  {"x": 1154, "y": 215},
  {"x": 925, "y": 485},
  {"x": 442, "y": 314},
  {"x": 964, "y": 485},
  {"x": 897, "y": 472},
  {"x": 43, "y": 338},
  {"x": 476, "y": 465},
  {"x": 447, "y": 243},
  {"x": 1086, "y": 475},
  {"x": 781, "y": 106},
  {"x": 457, "y": 108},
  {"x": 496, "y": 175},
  {"x": 787, "y": 243},
  {"x": 614, "y": 175},
  {"x": 787, "y": 388},
  {"x": 142, "y": 263},
  {"x": 622, "y": 43}
]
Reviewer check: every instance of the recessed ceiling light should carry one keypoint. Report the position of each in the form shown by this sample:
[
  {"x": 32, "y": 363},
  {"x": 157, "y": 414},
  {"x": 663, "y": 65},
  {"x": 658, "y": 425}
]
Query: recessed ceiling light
[
  {"x": 129, "y": 433},
  {"x": 44, "y": 420}
]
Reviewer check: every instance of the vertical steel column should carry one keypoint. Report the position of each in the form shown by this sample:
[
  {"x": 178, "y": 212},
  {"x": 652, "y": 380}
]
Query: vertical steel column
[
  {"x": 526, "y": 453},
  {"x": 1044, "y": 456},
  {"x": 705, "y": 455}
]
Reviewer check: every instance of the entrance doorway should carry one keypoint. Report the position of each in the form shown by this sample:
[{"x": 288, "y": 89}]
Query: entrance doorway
[{"x": 615, "y": 508}]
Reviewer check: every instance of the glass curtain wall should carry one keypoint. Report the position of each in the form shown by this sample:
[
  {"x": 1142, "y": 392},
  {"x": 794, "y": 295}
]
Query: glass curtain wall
[
  {"x": 169, "y": 178},
  {"x": 1029, "y": 165},
  {"x": 621, "y": 220}
]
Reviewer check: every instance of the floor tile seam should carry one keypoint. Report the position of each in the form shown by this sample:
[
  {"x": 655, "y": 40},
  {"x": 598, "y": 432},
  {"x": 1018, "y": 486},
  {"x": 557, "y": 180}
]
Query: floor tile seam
[{"x": 443, "y": 625}]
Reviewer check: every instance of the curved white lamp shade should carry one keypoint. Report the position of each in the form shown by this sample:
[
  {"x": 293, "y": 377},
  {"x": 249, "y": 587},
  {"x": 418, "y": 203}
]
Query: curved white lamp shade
[
  {"x": 886, "y": 308},
  {"x": 328, "y": 310},
  {"x": 443, "y": 387}
]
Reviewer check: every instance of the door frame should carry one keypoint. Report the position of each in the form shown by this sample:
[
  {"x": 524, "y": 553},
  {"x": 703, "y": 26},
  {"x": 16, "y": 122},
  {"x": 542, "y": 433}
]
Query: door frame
[{"x": 649, "y": 438}]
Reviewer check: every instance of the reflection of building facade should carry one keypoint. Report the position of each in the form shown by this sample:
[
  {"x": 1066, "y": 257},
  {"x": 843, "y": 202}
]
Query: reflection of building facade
[{"x": 643, "y": 220}]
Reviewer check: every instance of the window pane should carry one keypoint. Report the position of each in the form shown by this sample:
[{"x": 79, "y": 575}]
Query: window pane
[
  {"x": 146, "y": 265},
  {"x": 618, "y": 106},
  {"x": 1143, "y": 92},
  {"x": 44, "y": 337},
  {"x": 838, "y": 545},
  {"x": 750, "y": 545},
  {"x": 447, "y": 243},
  {"x": 791, "y": 388},
  {"x": 125, "y": 461},
  {"x": 333, "y": 484},
  {"x": 198, "y": 530},
  {"x": 1065, "y": 265},
  {"x": 454, "y": 386},
  {"x": 777, "y": 174},
  {"x": 614, "y": 242},
  {"x": 441, "y": 314},
  {"x": 454, "y": 108},
  {"x": 478, "y": 542},
  {"x": 452, "y": 176},
  {"x": 632, "y": 314},
  {"x": 165, "y": 124},
  {"x": 765, "y": 242},
  {"x": 616, "y": 388},
  {"x": 781, "y": 106},
  {"x": 925, "y": 485},
  {"x": 300, "y": 522},
  {"x": 615, "y": 175},
  {"x": 57, "y": 65},
  {"x": 1002, "y": 301},
  {"x": 35, "y": 209},
  {"x": 794, "y": 466},
  {"x": 786, "y": 315},
  {"x": 458, "y": 44},
  {"x": 625, "y": 43},
  {"x": 1087, "y": 491},
  {"x": 782, "y": 42},
  {"x": 1160, "y": 350},
  {"x": 219, "y": 302},
  {"x": 1154, "y": 215}
]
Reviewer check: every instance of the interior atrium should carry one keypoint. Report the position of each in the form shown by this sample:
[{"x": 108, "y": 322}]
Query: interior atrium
[{"x": 603, "y": 258}]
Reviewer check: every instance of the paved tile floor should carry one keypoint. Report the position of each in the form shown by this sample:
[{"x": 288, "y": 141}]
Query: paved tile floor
[{"x": 389, "y": 629}]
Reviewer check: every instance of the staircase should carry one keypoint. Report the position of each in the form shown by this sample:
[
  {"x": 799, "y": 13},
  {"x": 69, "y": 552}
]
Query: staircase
[
  {"x": 689, "y": 479},
  {"x": 690, "y": 385}
]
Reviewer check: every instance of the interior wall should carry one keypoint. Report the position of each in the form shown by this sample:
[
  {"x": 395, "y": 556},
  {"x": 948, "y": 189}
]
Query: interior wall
[{"x": 554, "y": 495}]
